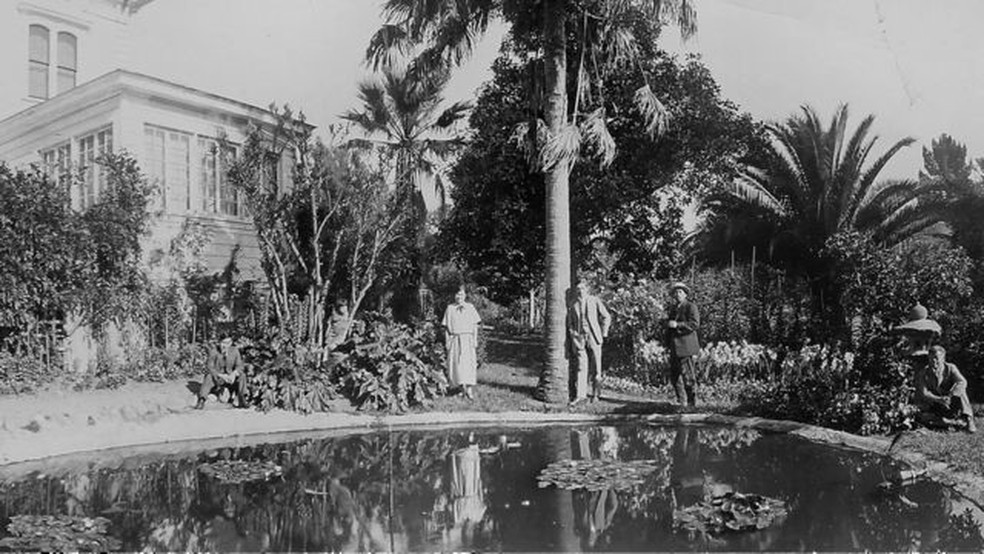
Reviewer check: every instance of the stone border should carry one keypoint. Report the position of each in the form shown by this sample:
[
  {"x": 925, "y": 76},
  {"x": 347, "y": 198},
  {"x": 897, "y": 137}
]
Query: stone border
[{"x": 61, "y": 449}]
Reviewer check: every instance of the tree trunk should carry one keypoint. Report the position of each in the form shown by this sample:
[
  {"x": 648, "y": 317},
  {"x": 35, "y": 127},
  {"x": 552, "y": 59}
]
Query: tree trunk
[{"x": 553, "y": 386}]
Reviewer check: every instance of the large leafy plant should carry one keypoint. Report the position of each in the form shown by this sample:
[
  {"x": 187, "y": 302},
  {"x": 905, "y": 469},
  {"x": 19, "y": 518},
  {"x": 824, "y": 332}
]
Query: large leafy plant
[{"x": 393, "y": 367}]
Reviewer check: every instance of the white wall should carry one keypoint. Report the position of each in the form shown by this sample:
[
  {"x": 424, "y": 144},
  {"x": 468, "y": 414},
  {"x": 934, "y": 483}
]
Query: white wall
[{"x": 102, "y": 40}]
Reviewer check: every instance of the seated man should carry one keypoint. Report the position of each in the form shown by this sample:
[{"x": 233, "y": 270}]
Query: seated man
[
  {"x": 941, "y": 393},
  {"x": 224, "y": 368}
]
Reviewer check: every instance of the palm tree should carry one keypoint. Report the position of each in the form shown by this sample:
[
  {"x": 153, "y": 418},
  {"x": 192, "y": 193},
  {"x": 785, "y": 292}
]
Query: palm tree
[
  {"x": 448, "y": 29},
  {"x": 812, "y": 183},
  {"x": 402, "y": 115}
]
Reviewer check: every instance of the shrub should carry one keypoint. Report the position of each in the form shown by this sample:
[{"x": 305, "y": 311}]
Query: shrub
[
  {"x": 23, "y": 374},
  {"x": 393, "y": 367},
  {"x": 284, "y": 377},
  {"x": 820, "y": 385}
]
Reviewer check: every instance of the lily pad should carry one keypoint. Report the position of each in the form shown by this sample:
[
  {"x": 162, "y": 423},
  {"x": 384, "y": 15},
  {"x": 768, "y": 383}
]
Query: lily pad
[
  {"x": 731, "y": 512},
  {"x": 595, "y": 475},
  {"x": 240, "y": 471},
  {"x": 48, "y": 533}
]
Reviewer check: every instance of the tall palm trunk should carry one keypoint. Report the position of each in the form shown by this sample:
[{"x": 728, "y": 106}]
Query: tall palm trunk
[{"x": 553, "y": 386}]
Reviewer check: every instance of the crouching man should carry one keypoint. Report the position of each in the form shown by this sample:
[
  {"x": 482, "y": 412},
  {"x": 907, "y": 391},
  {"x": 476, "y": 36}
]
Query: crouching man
[
  {"x": 224, "y": 369},
  {"x": 941, "y": 393}
]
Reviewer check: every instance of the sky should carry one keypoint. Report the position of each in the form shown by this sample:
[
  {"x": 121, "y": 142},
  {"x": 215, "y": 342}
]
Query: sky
[{"x": 917, "y": 66}]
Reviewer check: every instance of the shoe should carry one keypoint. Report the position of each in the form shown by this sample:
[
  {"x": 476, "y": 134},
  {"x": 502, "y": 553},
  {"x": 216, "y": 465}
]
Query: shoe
[
  {"x": 469, "y": 393},
  {"x": 971, "y": 426},
  {"x": 593, "y": 398},
  {"x": 200, "y": 404}
]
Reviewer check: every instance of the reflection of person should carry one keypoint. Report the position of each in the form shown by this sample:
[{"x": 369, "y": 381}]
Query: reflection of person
[
  {"x": 460, "y": 323},
  {"x": 681, "y": 332},
  {"x": 686, "y": 473},
  {"x": 941, "y": 392},
  {"x": 223, "y": 369},
  {"x": 587, "y": 328},
  {"x": 595, "y": 510},
  {"x": 467, "y": 497}
]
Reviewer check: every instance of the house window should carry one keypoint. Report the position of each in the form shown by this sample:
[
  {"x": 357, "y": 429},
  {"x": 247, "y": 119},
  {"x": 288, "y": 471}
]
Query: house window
[
  {"x": 218, "y": 194},
  {"x": 57, "y": 163},
  {"x": 169, "y": 166},
  {"x": 93, "y": 175},
  {"x": 67, "y": 61},
  {"x": 38, "y": 61}
]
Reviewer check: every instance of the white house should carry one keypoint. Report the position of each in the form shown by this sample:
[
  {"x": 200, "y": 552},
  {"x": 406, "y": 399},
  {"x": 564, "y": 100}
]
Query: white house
[{"x": 66, "y": 96}]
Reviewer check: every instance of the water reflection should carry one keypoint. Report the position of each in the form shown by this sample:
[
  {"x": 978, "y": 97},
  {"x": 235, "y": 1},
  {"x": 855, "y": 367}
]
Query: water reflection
[{"x": 454, "y": 490}]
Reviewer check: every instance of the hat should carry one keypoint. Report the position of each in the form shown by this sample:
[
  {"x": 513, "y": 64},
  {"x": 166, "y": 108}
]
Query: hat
[
  {"x": 919, "y": 322},
  {"x": 680, "y": 285}
]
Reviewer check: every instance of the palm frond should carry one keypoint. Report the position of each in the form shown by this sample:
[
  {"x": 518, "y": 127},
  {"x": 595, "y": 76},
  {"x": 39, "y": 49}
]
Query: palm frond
[
  {"x": 654, "y": 113},
  {"x": 456, "y": 112},
  {"x": 676, "y": 12},
  {"x": 594, "y": 130},
  {"x": 562, "y": 147},
  {"x": 386, "y": 44},
  {"x": 748, "y": 189}
]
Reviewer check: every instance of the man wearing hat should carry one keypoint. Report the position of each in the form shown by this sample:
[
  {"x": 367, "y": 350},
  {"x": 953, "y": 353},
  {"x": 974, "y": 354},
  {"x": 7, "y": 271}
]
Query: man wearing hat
[
  {"x": 587, "y": 327},
  {"x": 681, "y": 340}
]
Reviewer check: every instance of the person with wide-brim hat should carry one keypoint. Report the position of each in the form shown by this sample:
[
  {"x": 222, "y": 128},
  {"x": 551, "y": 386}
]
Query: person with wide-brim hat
[{"x": 683, "y": 320}]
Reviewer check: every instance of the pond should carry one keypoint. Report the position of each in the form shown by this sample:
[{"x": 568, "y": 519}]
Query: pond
[{"x": 480, "y": 489}]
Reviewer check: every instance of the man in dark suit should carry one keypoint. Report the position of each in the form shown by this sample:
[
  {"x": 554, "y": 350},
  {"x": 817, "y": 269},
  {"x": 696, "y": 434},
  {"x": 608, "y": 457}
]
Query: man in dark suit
[
  {"x": 224, "y": 368},
  {"x": 681, "y": 340}
]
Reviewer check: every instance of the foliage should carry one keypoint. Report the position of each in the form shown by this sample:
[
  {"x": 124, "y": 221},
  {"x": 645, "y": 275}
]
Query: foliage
[
  {"x": 56, "y": 261},
  {"x": 334, "y": 229},
  {"x": 24, "y": 374},
  {"x": 240, "y": 471},
  {"x": 282, "y": 376},
  {"x": 820, "y": 385},
  {"x": 58, "y": 533},
  {"x": 959, "y": 196},
  {"x": 813, "y": 182},
  {"x": 401, "y": 115},
  {"x": 596, "y": 475},
  {"x": 732, "y": 511},
  {"x": 634, "y": 207},
  {"x": 393, "y": 367},
  {"x": 878, "y": 286}
]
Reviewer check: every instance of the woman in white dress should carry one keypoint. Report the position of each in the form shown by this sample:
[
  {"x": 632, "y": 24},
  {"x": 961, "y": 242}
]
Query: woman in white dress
[{"x": 461, "y": 321}]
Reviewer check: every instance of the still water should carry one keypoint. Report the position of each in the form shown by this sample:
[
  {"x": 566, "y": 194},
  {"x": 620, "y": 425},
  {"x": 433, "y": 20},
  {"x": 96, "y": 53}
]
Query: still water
[{"x": 478, "y": 490}]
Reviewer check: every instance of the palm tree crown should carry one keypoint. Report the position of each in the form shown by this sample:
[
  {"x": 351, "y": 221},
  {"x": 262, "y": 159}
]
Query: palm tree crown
[
  {"x": 403, "y": 115},
  {"x": 815, "y": 181}
]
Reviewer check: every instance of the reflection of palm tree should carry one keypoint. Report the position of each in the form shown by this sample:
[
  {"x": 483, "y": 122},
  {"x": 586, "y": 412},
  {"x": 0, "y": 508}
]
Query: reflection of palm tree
[{"x": 559, "y": 505}]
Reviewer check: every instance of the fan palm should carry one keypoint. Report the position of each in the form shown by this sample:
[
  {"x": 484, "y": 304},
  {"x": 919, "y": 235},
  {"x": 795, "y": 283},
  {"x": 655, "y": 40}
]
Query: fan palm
[
  {"x": 607, "y": 40},
  {"x": 403, "y": 114}
]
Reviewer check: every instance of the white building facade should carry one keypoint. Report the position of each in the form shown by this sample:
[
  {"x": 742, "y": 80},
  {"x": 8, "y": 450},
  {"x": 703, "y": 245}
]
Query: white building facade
[{"x": 66, "y": 97}]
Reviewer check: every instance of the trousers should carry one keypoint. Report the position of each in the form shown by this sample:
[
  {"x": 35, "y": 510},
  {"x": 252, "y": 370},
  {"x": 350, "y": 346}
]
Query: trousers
[{"x": 682, "y": 377}]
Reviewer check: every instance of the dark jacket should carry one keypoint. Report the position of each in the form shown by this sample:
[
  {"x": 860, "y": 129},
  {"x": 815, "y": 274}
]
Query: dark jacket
[
  {"x": 218, "y": 363},
  {"x": 682, "y": 341}
]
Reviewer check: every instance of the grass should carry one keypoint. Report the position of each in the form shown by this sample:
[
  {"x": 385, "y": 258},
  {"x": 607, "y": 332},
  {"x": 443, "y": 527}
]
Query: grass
[{"x": 960, "y": 450}]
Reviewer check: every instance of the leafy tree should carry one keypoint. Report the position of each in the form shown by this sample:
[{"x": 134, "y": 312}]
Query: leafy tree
[
  {"x": 558, "y": 130},
  {"x": 959, "y": 197},
  {"x": 333, "y": 227},
  {"x": 813, "y": 182},
  {"x": 57, "y": 262},
  {"x": 633, "y": 208}
]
